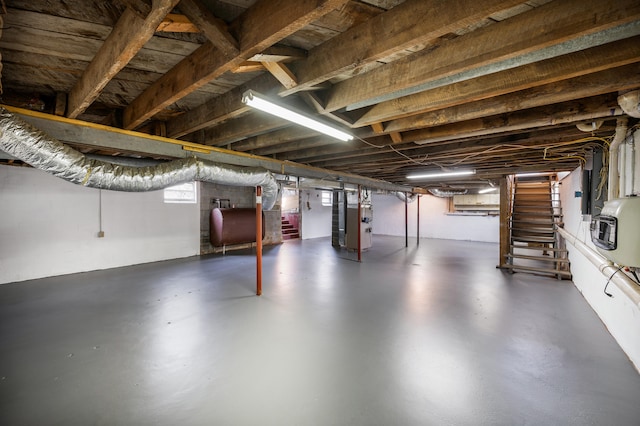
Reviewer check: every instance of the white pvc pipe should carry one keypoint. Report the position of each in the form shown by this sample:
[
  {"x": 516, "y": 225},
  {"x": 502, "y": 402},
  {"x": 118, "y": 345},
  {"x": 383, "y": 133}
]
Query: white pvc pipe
[
  {"x": 622, "y": 168},
  {"x": 606, "y": 267},
  {"x": 614, "y": 175},
  {"x": 635, "y": 165}
]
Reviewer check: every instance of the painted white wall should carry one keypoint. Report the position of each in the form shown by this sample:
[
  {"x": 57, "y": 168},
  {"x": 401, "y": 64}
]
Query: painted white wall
[
  {"x": 618, "y": 313},
  {"x": 388, "y": 219},
  {"x": 50, "y": 227},
  {"x": 316, "y": 222}
]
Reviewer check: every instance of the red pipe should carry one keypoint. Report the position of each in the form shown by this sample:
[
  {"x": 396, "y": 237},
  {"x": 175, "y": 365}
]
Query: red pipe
[
  {"x": 359, "y": 225},
  {"x": 258, "y": 240},
  {"x": 406, "y": 220},
  {"x": 418, "y": 230}
]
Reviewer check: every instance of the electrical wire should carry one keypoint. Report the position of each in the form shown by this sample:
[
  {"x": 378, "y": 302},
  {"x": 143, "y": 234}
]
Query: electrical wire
[
  {"x": 609, "y": 280},
  {"x": 582, "y": 158}
]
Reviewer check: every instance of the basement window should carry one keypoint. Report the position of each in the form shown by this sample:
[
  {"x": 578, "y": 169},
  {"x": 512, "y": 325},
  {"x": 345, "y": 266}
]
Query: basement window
[
  {"x": 185, "y": 193},
  {"x": 327, "y": 198}
]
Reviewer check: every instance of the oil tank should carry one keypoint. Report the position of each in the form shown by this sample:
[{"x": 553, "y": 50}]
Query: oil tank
[{"x": 233, "y": 226}]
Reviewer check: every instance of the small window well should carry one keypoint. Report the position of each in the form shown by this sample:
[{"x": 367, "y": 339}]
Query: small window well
[{"x": 327, "y": 198}]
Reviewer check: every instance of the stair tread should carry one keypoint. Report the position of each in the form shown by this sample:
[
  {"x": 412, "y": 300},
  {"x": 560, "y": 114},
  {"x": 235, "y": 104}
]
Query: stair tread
[
  {"x": 533, "y": 222},
  {"x": 532, "y": 231},
  {"x": 538, "y": 248},
  {"x": 541, "y": 258},
  {"x": 529, "y": 239},
  {"x": 536, "y": 269},
  {"x": 533, "y": 213}
]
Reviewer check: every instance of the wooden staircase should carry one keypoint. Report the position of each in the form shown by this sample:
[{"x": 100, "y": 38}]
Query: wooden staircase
[
  {"x": 534, "y": 218},
  {"x": 289, "y": 231}
]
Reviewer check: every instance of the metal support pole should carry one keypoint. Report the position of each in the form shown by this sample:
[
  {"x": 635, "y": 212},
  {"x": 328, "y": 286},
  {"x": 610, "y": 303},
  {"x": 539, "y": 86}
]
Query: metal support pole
[
  {"x": 418, "y": 220},
  {"x": 406, "y": 220},
  {"x": 505, "y": 213},
  {"x": 258, "y": 240},
  {"x": 359, "y": 224}
]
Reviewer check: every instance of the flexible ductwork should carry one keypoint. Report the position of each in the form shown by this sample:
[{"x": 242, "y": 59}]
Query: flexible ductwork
[
  {"x": 630, "y": 103},
  {"x": 37, "y": 149},
  {"x": 447, "y": 193},
  {"x": 403, "y": 196},
  {"x": 614, "y": 176}
]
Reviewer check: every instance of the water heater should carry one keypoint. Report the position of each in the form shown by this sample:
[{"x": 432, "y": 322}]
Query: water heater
[{"x": 616, "y": 231}]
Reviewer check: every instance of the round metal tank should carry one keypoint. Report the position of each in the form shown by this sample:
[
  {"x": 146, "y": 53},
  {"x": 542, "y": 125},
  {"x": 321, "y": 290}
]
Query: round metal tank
[{"x": 233, "y": 226}]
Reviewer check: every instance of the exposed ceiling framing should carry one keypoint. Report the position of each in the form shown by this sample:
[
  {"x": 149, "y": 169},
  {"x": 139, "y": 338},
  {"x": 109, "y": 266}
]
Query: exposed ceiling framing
[{"x": 494, "y": 85}]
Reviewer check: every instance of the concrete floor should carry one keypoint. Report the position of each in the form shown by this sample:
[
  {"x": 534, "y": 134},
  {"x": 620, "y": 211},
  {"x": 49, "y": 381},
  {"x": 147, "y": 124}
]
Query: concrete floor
[{"x": 434, "y": 335}]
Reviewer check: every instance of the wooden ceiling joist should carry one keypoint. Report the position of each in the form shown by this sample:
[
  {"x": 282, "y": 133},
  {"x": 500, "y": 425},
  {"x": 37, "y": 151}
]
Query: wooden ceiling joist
[
  {"x": 213, "y": 28},
  {"x": 262, "y": 25},
  {"x": 487, "y": 50},
  {"x": 175, "y": 23},
  {"x": 608, "y": 81},
  {"x": 576, "y": 64},
  {"x": 406, "y": 25},
  {"x": 129, "y": 35},
  {"x": 224, "y": 107},
  {"x": 567, "y": 112}
]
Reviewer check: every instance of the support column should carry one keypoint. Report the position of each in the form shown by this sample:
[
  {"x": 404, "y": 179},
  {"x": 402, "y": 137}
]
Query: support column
[
  {"x": 504, "y": 221},
  {"x": 418, "y": 221},
  {"x": 406, "y": 220},
  {"x": 359, "y": 224},
  {"x": 258, "y": 240}
]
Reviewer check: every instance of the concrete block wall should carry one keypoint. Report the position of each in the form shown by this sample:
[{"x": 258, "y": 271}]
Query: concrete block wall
[{"x": 239, "y": 197}]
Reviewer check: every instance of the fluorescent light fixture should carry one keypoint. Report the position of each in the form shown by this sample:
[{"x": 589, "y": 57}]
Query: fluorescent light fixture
[
  {"x": 257, "y": 101},
  {"x": 484, "y": 191},
  {"x": 442, "y": 174}
]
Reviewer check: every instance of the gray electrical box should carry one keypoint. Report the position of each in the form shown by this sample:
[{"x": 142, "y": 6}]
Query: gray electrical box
[{"x": 616, "y": 231}]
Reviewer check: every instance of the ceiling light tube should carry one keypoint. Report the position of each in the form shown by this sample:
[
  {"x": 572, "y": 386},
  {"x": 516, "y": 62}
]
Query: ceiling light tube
[
  {"x": 441, "y": 174},
  {"x": 484, "y": 191},
  {"x": 256, "y": 100}
]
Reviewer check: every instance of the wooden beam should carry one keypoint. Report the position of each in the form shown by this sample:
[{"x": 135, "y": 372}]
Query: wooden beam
[
  {"x": 332, "y": 154},
  {"x": 262, "y": 25},
  {"x": 61, "y": 103},
  {"x": 294, "y": 146},
  {"x": 566, "y": 112},
  {"x": 224, "y": 107},
  {"x": 396, "y": 137},
  {"x": 128, "y": 36},
  {"x": 377, "y": 127},
  {"x": 281, "y": 73},
  {"x": 279, "y": 53},
  {"x": 174, "y": 23},
  {"x": 486, "y": 50},
  {"x": 142, "y": 8},
  {"x": 277, "y": 137},
  {"x": 249, "y": 66},
  {"x": 608, "y": 81},
  {"x": 537, "y": 74},
  {"x": 214, "y": 29},
  {"x": 406, "y": 25},
  {"x": 235, "y": 130}
]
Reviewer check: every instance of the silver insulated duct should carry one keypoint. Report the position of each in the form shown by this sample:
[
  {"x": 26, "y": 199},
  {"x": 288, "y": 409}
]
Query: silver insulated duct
[{"x": 37, "y": 149}]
